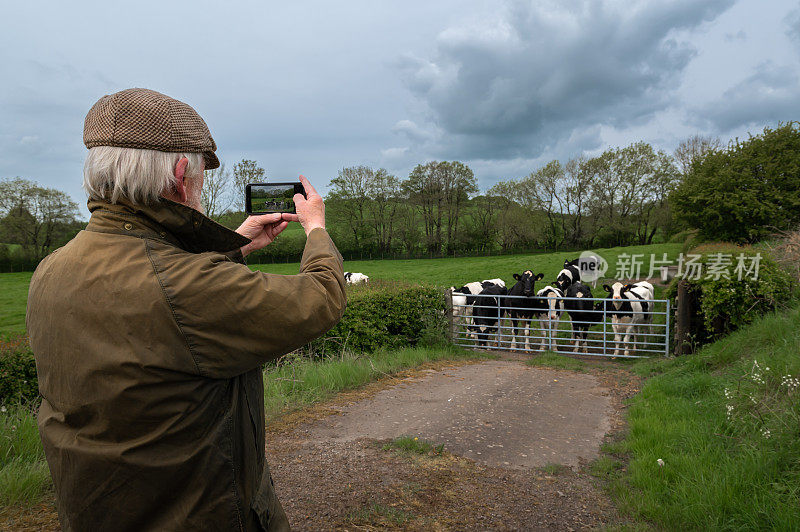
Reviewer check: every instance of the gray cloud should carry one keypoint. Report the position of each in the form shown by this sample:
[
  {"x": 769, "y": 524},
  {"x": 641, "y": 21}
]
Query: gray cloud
[
  {"x": 738, "y": 36},
  {"x": 792, "y": 21},
  {"x": 768, "y": 95},
  {"x": 520, "y": 84}
]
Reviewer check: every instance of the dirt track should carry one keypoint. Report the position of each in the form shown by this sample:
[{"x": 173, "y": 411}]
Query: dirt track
[{"x": 505, "y": 428}]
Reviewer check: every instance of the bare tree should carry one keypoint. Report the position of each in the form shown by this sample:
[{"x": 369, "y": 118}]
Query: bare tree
[
  {"x": 693, "y": 149},
  {"x": 244, "y": 172},
  {"x": 217, "y": 185}
]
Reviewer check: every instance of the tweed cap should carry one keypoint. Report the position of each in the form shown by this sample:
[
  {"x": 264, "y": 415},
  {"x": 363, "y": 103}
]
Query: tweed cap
[{"x": 145, "y": 119}]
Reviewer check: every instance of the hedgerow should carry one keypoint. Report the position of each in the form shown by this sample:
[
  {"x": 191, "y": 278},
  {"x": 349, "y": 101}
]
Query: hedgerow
[
  {"x": 18, "y": 382},
  {"x": 386, "y": 315},
  {"x": 729, "y": 303}
]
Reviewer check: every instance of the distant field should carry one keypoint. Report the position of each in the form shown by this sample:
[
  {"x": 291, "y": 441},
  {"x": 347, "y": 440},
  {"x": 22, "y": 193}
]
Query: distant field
[
  {"x": 13, "y": 298},
  {"x": 444, "y": 272},
  {"x": 458, "y": 271}
]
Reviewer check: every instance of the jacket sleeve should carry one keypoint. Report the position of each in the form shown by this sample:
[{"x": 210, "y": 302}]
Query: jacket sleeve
[{"x": 234, "y": 319}]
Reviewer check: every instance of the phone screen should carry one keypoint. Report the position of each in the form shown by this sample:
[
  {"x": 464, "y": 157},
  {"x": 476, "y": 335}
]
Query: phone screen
[{"x": 263, "y": 198}]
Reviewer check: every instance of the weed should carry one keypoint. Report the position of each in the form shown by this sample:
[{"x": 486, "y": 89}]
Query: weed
[
  {"x": 554, "y": 469},
  {"x": 413, "y": 445}
]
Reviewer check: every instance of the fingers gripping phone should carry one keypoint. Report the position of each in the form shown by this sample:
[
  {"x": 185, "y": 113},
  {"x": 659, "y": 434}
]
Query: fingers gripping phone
[{"x": 264, "y": 198}]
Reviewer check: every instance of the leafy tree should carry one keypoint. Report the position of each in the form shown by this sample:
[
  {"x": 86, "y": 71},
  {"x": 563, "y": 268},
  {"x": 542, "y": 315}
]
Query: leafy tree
[
  {"x": 384, "y": 196},
  {"x": 35, "y": 217},
  {"x": 747, "y": 191},
  {"x": 350, "y": 197},
  {"x": 578, "y": 184},
  {"x": 439, "y": 190}
]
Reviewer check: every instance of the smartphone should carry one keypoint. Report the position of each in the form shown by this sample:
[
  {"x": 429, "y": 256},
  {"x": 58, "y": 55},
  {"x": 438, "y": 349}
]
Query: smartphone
[{"x": 263, "y": 198}]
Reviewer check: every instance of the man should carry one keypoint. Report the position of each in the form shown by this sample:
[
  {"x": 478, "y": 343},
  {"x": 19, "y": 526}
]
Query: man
[{"x": 149, "y": 333}]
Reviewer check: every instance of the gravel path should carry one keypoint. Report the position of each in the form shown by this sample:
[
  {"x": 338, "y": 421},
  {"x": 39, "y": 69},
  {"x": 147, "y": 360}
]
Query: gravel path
[
  {"x": 500, "y": 413},
  {"x": 504, "y": 425}
]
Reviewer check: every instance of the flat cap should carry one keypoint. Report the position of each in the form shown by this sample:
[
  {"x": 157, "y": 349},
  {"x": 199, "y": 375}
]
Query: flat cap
[{"x": 149, "y": 120}]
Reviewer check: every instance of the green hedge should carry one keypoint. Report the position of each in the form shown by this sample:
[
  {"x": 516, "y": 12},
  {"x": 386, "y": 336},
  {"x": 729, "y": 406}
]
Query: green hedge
[
  {"x": 386, "y": 315},
  {"x": 380, "y": 315},
  {"x": 18, "y": 382},
  {"x": 726, "y": 305}
]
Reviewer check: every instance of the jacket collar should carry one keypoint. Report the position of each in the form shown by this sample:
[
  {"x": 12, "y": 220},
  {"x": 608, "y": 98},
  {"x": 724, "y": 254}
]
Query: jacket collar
[{"x": 171, "y": 222}]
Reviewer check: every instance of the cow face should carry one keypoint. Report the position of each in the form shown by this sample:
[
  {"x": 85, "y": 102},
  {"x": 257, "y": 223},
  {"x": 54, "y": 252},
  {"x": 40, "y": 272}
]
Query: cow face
[
  {"x": 564, "y": 279},
  {"x": 616, "y": 292},
  {"x": 553, "y": 301},
  {"x": 526, "y": 281}
]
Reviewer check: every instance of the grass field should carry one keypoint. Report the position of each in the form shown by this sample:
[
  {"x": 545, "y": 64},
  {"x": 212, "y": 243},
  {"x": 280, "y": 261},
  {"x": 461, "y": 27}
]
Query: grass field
[
  {"x": 444, "y": 272},
  {"x": 458, "y": 271},
  {"x": 13, "y": 298}
]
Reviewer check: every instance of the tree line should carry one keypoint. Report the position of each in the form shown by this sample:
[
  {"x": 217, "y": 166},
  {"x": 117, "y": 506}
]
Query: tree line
[{"x": 741, "y": 192}]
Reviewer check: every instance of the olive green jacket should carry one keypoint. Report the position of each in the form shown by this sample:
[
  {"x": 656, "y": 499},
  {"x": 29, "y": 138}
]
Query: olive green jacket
[{"x": 149, "y": 334}]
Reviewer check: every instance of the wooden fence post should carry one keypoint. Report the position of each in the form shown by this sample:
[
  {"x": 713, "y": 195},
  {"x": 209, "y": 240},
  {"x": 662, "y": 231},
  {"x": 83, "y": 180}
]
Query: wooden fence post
[{"x": 683, "y": 317}]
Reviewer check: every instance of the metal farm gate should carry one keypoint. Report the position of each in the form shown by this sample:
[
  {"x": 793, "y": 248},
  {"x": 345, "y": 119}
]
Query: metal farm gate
[{"x": 490, "y": 323}]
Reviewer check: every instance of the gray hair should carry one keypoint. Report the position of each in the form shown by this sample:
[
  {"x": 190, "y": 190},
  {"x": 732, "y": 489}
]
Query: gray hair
[{"x": 139, "y": 176}]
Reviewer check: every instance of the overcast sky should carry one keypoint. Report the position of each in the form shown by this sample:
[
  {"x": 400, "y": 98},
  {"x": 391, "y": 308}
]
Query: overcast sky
[{"x": 311, "y": 86}]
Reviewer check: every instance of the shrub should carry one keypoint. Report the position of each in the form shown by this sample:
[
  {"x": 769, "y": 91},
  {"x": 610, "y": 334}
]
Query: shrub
[
  {"x": 386, "y": 315},
  {"x": 727, "y": 304},
  {"x": 786, "y": 251},
  {"x": 18, "y": 382},
  {"x": 744, "y": 192}
]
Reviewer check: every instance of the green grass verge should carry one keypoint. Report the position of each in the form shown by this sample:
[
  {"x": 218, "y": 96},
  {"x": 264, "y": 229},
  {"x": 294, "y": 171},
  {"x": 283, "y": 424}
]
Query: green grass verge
[
  {"x": 24, "y": 476},
  {"x": 727, "y": 432},
  {"x": 554, "y": 360},
  {"x": 302, "y": 381}
]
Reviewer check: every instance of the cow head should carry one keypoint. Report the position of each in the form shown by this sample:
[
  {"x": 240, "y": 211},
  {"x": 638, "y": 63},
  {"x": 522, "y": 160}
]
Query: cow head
[
  {"x": 526, "y": 282},
  {"x": 616, "y": 292},
  {"x": 564, "y": 279},
  {"x": 553, "y": 296}
]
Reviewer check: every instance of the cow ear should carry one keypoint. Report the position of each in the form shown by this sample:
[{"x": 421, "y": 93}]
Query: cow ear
[
  {"x": 539, "y": 277},
  {"x": 516, "y": 276},
  {"x": 566, "y": 262},
  {"x": 627, "y": 287},
  {"x": 607, "y": 288}
]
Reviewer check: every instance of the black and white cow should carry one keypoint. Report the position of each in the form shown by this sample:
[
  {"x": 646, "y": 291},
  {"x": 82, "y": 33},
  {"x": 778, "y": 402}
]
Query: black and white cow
[
  {"x": 462, "y": 302},
  {"x": 582, "y": 312},
  {"x": 570, "y": 274},
  {"x": 630, "y": 311},
  {"x": 486, "y": 312},
  {"x": 520, "y": 310},
  {"x": 549, "y": 306},
  {"x": 355, "y": 278}
]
